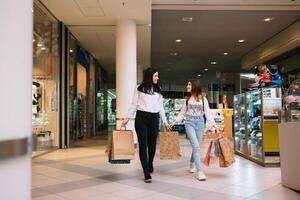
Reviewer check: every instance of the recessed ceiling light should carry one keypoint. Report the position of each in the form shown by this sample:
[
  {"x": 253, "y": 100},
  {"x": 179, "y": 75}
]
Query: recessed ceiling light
[
  {"x": 206, "y": 69},
  {"x": 173, "y": 54},
  {"x": 187, "y": 19},
  {"x": 213, "y": 62},
  {"x": 268, "y": 19},
  {"x": 43, "y": 48},
  {"x": 199, "y": 75},
  {"x": 178, "y": 40},
  {"x": 33, "y": 40},
  {"x": 71, "y": 50},
  {"x": 225, "y": 54},
  {"x": 241, "y": 40},
  {"x": 39, "y": 45}
]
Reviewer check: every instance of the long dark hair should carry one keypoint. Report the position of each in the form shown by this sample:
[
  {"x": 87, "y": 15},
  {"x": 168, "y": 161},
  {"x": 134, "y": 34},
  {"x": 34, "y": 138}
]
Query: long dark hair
[
  {"x": 196, "y": 90},
  {"x": 147, "y": 86}
]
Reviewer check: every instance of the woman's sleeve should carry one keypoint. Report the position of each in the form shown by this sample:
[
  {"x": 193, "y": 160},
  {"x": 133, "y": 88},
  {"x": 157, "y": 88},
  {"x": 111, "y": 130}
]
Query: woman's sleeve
[
  {"x": 133, "y": 105},
  {"x": 181, "y": 114},
  {"x": 208, "y": 115},
  {"x": 162, "y": 112}
]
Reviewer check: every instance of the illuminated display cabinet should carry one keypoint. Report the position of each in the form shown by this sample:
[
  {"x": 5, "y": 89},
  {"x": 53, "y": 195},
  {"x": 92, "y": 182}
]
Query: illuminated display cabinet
[{"x": 256, "y": 125}]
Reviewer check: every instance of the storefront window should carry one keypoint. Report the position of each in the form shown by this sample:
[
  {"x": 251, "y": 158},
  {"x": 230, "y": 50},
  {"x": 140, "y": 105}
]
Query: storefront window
[
  {"x": 101, "y": 100},
  {"x": 45, "y": 98},
  {"x": 72, "y": 88},
  {"x": 111, "y": 107}
]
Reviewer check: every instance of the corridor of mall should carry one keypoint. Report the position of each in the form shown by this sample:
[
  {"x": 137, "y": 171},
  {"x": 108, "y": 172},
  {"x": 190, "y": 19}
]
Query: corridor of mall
[{"x": 69, "y": 76}]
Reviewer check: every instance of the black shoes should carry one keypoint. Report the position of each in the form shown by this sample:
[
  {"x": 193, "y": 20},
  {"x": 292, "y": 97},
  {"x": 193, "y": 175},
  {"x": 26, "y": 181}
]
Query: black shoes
[
  {"x": 151, "y": 170},
  {"x": 148, "y": 178}
]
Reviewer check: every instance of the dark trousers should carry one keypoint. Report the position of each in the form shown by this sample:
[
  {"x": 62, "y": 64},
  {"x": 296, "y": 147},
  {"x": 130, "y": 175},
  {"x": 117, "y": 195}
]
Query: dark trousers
[{"x": 147, "y": 127}]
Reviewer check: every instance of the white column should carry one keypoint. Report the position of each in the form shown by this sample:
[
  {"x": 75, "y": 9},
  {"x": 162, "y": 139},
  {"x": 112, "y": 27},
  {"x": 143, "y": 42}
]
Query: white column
[
  {"x": 126, "y": 67},
  {"x": 16, "y": 20}
]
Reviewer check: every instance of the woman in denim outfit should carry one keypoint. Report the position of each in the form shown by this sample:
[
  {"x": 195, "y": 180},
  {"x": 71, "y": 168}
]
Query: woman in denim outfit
[{"x": 193, "y": 110}]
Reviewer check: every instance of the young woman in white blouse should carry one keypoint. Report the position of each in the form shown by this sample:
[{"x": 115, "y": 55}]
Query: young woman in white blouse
[
  {"x": 193, "y": 110},
  {"x": 147, "y": 105}
]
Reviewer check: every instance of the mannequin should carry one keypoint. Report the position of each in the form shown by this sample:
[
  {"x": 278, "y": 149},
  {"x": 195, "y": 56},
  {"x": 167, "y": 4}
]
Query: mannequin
[{"x": 36, "y": 95}]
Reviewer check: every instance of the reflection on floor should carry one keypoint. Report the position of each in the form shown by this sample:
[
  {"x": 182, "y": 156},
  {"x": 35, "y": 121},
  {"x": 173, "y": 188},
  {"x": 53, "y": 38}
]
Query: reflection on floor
[{"x": 84, "y": 173}]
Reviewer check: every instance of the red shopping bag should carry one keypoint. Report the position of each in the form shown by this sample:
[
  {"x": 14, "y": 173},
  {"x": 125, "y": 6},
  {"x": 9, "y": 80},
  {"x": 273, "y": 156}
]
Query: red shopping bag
[{"x": 207, "y": 156}]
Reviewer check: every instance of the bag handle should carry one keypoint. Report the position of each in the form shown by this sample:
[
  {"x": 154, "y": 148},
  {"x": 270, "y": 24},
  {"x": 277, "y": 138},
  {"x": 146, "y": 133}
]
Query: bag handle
[{"x": 123, "y": 126}]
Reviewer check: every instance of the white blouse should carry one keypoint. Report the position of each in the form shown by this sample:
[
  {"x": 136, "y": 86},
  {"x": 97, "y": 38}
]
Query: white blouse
[
  {"x": 152, "y": 103},
  {"x": 195, "y": 108}
]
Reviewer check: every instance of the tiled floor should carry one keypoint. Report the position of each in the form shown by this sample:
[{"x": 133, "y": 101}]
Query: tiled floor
[{"x": 84, "y": 173}]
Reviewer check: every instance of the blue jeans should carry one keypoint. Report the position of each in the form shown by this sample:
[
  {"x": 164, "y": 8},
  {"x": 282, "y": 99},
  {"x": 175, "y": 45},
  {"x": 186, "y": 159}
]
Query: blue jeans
[{"x": 194, "y": 127}]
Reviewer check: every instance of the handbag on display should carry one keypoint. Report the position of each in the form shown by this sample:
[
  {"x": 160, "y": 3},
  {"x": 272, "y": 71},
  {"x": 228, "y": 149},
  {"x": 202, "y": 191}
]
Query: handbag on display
[{"x": 169, "y": 145}]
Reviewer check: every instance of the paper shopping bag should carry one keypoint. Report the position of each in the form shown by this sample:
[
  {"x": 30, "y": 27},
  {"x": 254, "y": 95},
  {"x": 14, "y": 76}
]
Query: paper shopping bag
[
  {"x": 207, "y": 156},
  {"x": 226, "y": 155},
  {"x": 169, "y": 145},
  {"x": 122, "y": 145}
]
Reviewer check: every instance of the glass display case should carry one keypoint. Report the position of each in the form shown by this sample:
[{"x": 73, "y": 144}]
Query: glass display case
[
  {"x": 240, "y": 123},
  {"x": 256, "y": 116},
  {"x": 172, "y": 107},
  {"x": 292, "y": 102},
  {"x": 254, "y": 127}
]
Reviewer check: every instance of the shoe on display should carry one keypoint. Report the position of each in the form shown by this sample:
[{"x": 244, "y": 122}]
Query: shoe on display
[
  {"x": 192, "y": 167},
  {"x": 200, "y": 176}
]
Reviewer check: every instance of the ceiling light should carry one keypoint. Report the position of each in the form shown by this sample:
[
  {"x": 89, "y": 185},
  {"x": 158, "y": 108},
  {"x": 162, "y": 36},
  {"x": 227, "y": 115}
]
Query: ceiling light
[
  {"x": 174, "y": 54},
  {"x": 33, "y": 40},
  {"x": 199, "y": 75},
  {"x": 187, "y": 19},
  {"x": 71, "y": 50},
  {"x": 206, "y": 69},
  {"x": 39, "y": 45},
  {"x": 178, "y": 40},
  {"x": 43, "y": 48},
  {"x": 213, "y": 62},
  {"x": 240, "y": 41},
  {"x": 225, "y": 54},
  {"x": 149, "y": 24},
  {"x": 268, "y": 19}
]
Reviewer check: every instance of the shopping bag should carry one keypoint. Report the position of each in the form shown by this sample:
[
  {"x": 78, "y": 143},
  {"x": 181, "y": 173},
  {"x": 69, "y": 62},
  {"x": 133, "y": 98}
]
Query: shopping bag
[
  {"x": 122, "y": 145},
  {"x": 207, "y": 156},
  {"x": 169, "y": 145},
  {"x": 110, "y": 160},
  {"x": 226, "y": 155}
]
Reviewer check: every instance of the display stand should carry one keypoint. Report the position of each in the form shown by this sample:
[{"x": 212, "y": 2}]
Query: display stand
[
  {"x": 223, "y": 119},
  {"x": 256, "y": 125}
]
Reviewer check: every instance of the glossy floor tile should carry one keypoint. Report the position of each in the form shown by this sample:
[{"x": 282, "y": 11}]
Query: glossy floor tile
[{"x": 82, "y": 172}]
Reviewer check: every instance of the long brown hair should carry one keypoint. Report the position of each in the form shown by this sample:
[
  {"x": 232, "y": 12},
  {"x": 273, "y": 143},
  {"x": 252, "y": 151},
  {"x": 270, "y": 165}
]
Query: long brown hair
[{"x": 196, "y": 90}]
